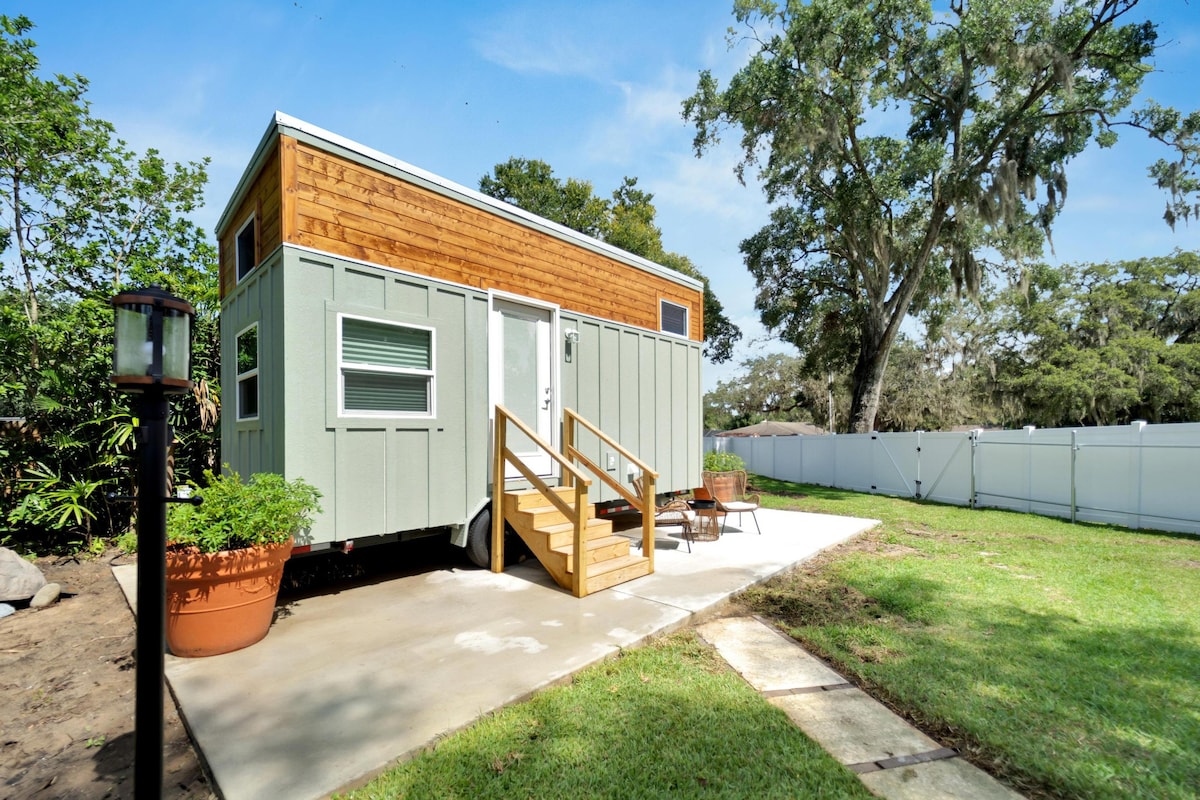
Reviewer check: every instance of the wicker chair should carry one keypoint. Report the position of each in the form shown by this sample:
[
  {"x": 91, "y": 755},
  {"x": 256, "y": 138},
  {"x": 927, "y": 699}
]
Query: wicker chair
[
  {"x": 729, "y": 490},
  {"x": 673, "y": 512}
]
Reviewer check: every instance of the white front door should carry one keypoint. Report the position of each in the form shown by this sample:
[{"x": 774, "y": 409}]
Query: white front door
[{"x": 522, "y": 378}]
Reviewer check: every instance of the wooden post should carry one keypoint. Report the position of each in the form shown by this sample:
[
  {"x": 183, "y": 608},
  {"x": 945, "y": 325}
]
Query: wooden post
[
  {"x": 568, "y": 442},
  {"x": 649, "y": 501},
  {"x": 578, "y": 560},
  {"x": 499, "y": 434}
]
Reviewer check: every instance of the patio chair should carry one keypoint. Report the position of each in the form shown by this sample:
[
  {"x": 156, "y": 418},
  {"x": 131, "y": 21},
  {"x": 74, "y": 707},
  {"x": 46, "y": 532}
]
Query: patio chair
[
  {"x": 673, "y": 512},
  {"x": 729, "y": 490}
]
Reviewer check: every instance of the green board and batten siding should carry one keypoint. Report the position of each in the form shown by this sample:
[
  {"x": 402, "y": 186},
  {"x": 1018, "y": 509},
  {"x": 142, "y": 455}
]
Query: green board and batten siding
[
  {"x": 342, "y": 229},
  {"x": 382, "y": 476}
]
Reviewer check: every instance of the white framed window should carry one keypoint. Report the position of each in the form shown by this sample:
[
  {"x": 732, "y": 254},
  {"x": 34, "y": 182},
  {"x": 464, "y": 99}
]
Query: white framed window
[
  {"x": 385, "y": 369},
  {"x": 245, "y": 248},
  {"x": 247, "y": 373},
  {"x": 672, "y": 318}
]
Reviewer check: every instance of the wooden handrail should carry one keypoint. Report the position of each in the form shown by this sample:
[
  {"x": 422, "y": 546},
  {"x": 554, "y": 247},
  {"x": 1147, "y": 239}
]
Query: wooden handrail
[
  {"x": 577, "y": 516},
  {"x": 644, "y": 505}
]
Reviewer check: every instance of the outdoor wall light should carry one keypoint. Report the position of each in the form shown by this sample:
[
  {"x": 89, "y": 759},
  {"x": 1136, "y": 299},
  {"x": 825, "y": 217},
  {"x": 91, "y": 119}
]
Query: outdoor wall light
[
  {"x": 152, "y": 341},
  {"x": 572, "y": 337}
]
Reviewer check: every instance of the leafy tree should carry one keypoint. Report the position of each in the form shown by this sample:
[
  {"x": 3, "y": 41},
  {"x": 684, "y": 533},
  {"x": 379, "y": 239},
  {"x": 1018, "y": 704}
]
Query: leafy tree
[
  {"x": 1103, "y": 344},
  {"x": 771, "y": 386},
  {"x": 897, "y": 143},
  {"x": 530, "y": 184},
  {"x": 627, "y": 222},
  {"x": 82, "y": 217}
]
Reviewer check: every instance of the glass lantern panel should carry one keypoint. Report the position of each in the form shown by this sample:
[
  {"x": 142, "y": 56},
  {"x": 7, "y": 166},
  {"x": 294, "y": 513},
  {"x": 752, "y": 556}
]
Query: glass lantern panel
[
  {"x": 132, "y": 350},
  {"x": 177, "y": 343}
]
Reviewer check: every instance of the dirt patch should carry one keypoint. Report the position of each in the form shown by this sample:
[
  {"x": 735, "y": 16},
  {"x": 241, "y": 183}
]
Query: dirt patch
[{"x": 67, "y": 690}]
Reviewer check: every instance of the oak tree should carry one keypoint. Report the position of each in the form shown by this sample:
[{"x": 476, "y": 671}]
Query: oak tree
[{"x": 898, "y": 141}]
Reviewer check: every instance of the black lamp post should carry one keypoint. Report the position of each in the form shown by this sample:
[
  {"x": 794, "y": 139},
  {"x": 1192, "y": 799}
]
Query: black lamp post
[{"x": 152, "y": 352}]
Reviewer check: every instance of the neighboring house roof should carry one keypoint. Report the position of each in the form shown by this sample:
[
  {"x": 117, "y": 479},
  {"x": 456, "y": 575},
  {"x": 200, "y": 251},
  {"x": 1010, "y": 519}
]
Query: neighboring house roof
[
  {"x": 304, "y": 131},
  {"x": 773, "y": 428}
]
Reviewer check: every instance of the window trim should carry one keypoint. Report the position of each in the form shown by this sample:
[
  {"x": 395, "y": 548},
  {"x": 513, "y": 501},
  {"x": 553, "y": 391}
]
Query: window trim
[
  {"x": 237, "y": 249},
  {"x": 358, "y": 367},
  {"x": 687, "y": 318},
  {"x": 241, "y": 377}
]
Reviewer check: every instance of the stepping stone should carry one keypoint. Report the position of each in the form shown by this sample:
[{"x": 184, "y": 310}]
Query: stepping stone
[
  {"x": 767, "y": 659},
  {"x": 951, "y": 779},
  {"x": 854, "y": 727}
]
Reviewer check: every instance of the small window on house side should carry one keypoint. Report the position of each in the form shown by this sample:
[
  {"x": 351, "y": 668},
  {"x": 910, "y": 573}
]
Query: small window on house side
[
  {"x": 673, "y": 318},
  {"x": 247, "y": 373},
  {"x": 245, "y": 249},
  {"x": 386, "y": 369}
]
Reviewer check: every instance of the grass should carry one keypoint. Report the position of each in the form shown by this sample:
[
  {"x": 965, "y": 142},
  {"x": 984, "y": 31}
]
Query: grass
[
  {"x": 668, "y": 720},
  {"x": 1064, "y": 658}
]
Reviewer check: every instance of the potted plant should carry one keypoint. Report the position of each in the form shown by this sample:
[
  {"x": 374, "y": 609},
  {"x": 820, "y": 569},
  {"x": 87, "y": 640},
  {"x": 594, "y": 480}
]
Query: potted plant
[
  {"x": 720, "y": 470},
  {"x": 225, "y": 559}
]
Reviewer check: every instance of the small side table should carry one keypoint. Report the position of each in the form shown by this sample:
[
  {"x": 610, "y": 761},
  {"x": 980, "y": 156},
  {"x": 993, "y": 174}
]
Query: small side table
[{"x": 707, "y": 526}]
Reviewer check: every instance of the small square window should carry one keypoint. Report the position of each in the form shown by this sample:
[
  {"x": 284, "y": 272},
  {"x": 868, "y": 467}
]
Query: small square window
[
  {"x": 247, "y": 373},
  {"x": 386, "y": 369},
  {"x": 673, "y": 318},
  {"x": 246, "y": 248}
]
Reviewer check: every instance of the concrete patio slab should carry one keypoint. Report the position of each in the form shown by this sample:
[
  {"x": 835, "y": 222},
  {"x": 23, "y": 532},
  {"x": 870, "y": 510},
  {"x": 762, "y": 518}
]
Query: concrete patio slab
[
  {"x": 762, "y": 656},
  {"x": 348, "y": 682}
]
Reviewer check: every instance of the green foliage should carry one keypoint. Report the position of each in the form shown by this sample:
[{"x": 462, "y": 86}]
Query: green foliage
[
  {"x": 993, "y": 99},
  {"x": 82, "y": 217},
  {"x": 718, "y": 461},
  {"x": 627, "y": 222},
  {"x": 267, "y": 509},
  {"x": 1104, "y": 344}
]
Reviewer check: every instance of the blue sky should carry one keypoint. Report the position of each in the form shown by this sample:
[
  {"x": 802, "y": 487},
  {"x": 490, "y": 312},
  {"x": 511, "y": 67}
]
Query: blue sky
[{"x": 593, "y": 88}]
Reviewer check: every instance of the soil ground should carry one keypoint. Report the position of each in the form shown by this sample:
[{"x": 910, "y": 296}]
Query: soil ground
[{"x": 67, "y": 691}]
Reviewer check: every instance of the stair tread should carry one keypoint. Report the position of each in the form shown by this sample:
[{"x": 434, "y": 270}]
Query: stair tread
[
  {"x": 601, "y": 567},
  {"x": 593, "y": 544},
  {"x": 563, "y": 527}
]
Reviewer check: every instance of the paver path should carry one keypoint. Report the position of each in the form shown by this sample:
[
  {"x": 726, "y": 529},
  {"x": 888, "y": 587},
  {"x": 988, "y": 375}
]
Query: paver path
[{"x": 895, "y": 760}]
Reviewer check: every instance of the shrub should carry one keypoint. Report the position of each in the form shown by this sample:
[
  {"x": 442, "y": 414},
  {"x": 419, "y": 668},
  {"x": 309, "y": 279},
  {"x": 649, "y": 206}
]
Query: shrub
[
  {"x": 235, "y": 514},
  {"x": 716, "y": 461}
]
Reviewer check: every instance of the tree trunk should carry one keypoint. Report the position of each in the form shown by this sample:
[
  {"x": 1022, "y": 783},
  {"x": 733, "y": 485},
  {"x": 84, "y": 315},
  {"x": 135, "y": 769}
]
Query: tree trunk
[{"x": 868, "y": 381}]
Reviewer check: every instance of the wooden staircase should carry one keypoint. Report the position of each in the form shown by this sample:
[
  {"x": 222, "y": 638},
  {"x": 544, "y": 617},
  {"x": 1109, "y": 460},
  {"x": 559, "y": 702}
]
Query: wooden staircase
[
  {"x": 558, "y": 523},
  {"x": 551, "y": 536}
]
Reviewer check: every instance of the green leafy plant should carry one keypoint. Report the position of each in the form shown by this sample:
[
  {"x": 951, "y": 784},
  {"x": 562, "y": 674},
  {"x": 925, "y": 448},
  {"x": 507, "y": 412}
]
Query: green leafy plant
[
  {"x": 267, "y": 509},
  {"x": 716, "y": 461}
]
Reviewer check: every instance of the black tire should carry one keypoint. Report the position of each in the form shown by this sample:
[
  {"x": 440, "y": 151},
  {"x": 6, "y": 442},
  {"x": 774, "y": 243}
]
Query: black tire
[
  {"x": 479, "y": 539},
  {"x": 479, "y": 542}
]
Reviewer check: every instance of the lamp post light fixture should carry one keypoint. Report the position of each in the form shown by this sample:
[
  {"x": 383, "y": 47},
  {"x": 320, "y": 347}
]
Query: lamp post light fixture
[{"x": 152, "y": 347}]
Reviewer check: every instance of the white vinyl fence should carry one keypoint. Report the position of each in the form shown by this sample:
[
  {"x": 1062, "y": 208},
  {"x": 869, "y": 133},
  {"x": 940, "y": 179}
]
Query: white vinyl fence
[{"x": 1138, "y": 475}]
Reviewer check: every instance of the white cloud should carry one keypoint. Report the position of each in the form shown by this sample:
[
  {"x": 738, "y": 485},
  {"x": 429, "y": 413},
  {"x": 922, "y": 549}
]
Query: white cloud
[{"x": 530, "y": 40}]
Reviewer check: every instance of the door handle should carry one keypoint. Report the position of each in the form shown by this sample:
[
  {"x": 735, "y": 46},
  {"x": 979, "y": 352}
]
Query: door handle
[{"x": 546, "y": 402}]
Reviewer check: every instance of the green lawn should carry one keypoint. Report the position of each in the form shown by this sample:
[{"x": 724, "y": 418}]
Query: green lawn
[{"x": 1066, "y": 658}]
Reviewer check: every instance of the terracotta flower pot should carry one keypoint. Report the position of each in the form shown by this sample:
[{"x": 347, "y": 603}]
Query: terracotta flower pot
[{"x": 221, "y": 602}]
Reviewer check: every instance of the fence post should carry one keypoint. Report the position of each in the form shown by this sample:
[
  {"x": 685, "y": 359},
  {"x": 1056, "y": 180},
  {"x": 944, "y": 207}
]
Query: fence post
[
  {"x": 1074, "y": 452},
  {"x": 917, "y": 480},
  {"x": 1139, "y": 426},
  {"x": 972, "y": 502}
]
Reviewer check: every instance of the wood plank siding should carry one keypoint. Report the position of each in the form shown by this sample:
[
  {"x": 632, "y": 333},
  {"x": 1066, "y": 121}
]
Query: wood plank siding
[
  {"x": 263, "y": 200},
  {"x": 307, "y": 196}
]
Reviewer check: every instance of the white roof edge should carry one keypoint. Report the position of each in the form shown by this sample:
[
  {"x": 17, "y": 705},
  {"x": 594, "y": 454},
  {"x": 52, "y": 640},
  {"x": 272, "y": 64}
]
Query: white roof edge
[{"x": 448, "y": 188}]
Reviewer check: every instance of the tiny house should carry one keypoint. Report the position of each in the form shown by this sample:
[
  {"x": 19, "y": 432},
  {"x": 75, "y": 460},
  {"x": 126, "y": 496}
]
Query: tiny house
[{"x": 374, "y": 316}]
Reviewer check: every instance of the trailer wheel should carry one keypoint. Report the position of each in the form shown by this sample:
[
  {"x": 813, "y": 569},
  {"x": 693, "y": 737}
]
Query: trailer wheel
[{"x": 479, "y": 542}]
